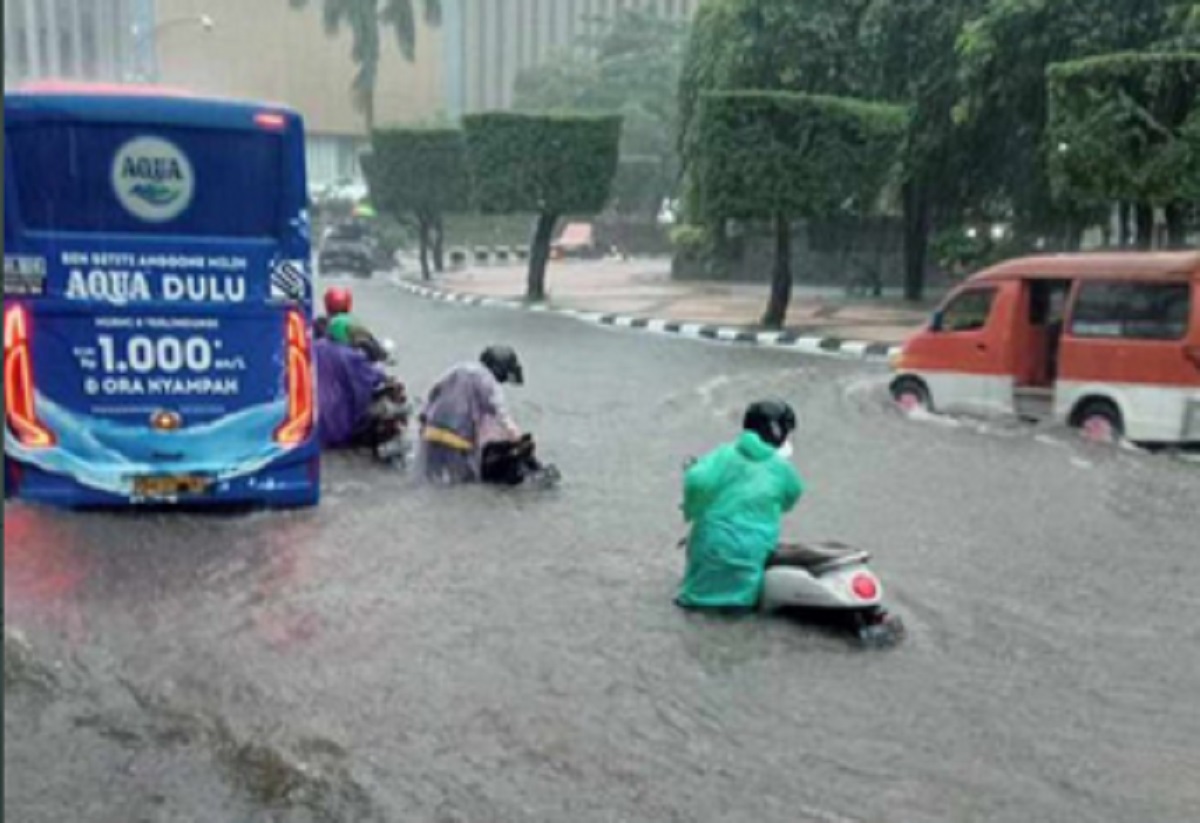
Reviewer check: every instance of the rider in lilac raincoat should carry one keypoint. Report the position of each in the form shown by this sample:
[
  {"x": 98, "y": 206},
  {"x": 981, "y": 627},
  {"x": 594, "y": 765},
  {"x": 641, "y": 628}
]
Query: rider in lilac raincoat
[{"x": 467, "y": 434}]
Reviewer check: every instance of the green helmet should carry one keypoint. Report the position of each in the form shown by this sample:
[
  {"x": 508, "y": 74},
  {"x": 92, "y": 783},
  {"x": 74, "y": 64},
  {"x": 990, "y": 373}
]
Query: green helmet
[{"x": 341, "y": 329}]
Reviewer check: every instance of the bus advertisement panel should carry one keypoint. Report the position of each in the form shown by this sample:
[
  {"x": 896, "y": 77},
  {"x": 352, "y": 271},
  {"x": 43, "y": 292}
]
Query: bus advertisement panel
[{"x": 158, "y": 300}]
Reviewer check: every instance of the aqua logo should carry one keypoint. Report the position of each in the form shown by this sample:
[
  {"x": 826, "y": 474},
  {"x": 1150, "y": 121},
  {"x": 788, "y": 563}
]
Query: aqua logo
[{"x": 153, "y": 179}]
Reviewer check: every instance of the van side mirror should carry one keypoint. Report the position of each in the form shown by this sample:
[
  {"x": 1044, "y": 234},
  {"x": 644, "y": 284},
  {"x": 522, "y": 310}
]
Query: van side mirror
[{"x": 938, "y": 322}]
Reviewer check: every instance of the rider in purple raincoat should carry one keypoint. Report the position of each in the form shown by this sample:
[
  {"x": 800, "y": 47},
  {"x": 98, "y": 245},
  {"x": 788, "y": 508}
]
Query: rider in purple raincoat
[{"x": 346, "y": 386}]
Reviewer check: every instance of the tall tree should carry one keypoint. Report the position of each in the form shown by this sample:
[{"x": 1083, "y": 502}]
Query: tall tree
[
  {"x": 551, "y": 165},
  {"x": 418, "y": 175},
  {"x": 630, "y": 65},
  {"x": 1005, "y": 55},
  {"x": 802, "y": 46},
  {"x": 915, "y": 61},
  {"x": 778, "y": 156},
  {"x": 1126, "y": 127},
  {"x": 368, "y": 22}
]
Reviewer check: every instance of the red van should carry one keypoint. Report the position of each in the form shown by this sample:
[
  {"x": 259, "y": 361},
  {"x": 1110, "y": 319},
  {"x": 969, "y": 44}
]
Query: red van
[{"x": 1109, "y": 343}]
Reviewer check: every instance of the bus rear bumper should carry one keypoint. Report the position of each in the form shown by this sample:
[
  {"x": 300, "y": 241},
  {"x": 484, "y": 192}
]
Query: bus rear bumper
[{"x": 293, "y": 483}]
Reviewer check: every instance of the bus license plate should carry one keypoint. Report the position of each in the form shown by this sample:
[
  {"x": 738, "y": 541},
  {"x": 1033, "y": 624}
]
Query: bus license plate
[{"x": 170, "y": 486}]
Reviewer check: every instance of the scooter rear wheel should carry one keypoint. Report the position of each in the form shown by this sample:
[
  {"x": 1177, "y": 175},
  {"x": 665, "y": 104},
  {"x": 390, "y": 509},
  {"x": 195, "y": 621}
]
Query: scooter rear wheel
[{"x": 878, "y": 629}]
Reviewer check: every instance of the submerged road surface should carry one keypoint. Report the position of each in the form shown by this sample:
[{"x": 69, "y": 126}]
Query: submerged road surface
[{"x": 409, "y": 654}]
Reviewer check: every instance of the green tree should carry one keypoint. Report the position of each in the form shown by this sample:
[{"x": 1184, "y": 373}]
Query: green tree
[
  {"x": 418, "y": 175},
  {"x": 1126, "y": 127},
  {"x": 368, "y": 21},
  {"x": 915, "y": 60},
  {"x": 551, "y": 165},
  {"x": 808, "y": 46},
  {"x": 779, "y": 156},
  {"x": 630, "y": 66},
  {"x": 848, "y": 48},
  {"x": 1005, "y": 54}
]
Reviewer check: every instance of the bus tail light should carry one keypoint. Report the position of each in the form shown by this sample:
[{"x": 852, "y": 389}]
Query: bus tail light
[
  {"x": 19, "y": 390},
  {"x": 298, "y": 424},
  {"x": 271, "y": 121}
]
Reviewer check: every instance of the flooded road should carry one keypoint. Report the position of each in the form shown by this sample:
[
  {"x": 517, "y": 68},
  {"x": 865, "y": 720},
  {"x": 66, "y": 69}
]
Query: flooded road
[{"x": 408, "y": 654}]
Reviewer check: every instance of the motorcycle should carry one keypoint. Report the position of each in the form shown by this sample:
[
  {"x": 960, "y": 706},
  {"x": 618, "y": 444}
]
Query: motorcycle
[
  {"x": 391, "y": 414},
  {"x": 830, "y": 582}
]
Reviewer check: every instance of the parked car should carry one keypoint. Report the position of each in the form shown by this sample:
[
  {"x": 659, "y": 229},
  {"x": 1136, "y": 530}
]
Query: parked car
[
  {"x": 576, "y": 240},
  {"x": 1108, "y": 343},
  {"x": 350, "y": 248}
]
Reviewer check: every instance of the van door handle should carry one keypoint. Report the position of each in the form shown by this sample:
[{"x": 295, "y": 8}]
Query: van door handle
[{"x": 981, "y": 346}]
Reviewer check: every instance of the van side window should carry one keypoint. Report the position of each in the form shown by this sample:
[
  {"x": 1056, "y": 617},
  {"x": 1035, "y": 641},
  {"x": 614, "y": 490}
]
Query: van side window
[
  {"x": 1133, "y": 311},
  {"x": 969, "y": 311}
]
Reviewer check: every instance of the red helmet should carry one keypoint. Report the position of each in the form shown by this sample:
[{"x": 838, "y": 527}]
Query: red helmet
[{"x": 338, "y": 301}]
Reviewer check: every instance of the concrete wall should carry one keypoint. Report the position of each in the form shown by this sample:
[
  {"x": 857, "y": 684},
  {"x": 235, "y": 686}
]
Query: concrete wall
[{"x": 826, "y": 253}]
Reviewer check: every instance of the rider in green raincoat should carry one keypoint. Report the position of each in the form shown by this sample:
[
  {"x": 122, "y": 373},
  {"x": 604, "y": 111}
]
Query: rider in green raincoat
[{"x": 735, "y": 498}]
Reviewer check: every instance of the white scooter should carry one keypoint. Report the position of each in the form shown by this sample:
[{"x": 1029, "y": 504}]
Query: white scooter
[
  {"x": 827, "y": 580},
  {"x": 830, "y": 580}
]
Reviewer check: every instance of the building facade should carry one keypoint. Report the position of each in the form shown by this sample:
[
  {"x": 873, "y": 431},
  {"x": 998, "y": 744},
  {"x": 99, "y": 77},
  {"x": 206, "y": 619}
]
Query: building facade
[
  {"x": 77, "y": 39},
  {"x": 248, "y": 49},
  {"x": 486, "y": 43},
  {"x": 266, "y": 50}
]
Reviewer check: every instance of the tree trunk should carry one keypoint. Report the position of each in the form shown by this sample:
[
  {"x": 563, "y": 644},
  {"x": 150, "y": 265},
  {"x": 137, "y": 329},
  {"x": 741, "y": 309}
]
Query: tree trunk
[
  {"x": 423, "y": 242},
  {"x": 781, "y": 279},
  {"x": 1072, "y": 234},
  {"x": 439, "y": 244},
  {"x": 1144, "y": 217},
  {"x": 1176, "y": 226},
  {"x": 1123, "y": 216},
  {"x": 916, "y": 241},
  {"x": 369, "y": 112},
  {"x": 539, "y": 255}
]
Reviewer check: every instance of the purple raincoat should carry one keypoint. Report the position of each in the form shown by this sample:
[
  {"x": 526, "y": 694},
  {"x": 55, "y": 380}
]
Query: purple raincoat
[
  {"x": 346, "y": 384},
  {"x": 467, "y": 403}
]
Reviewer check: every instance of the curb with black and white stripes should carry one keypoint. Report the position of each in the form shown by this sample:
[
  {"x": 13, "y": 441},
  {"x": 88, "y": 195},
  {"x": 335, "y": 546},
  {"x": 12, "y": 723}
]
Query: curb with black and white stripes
[{"x": 833, "y": 346}]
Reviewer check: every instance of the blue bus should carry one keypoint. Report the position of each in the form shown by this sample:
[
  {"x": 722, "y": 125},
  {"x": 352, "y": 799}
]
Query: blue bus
[{"x": 158, "y": 300}]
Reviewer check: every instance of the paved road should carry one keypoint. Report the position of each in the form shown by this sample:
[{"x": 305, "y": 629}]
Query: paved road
[{"x": 409, "y": 654}]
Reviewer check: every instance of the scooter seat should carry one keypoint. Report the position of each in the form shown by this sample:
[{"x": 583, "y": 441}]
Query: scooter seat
[{"x": 817, "y": 556}]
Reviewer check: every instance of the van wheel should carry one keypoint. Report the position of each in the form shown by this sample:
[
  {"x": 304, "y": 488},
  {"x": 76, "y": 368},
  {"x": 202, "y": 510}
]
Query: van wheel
[
  {"x": 910, "y": 395},
  {"x": 1099, "y": 421}
]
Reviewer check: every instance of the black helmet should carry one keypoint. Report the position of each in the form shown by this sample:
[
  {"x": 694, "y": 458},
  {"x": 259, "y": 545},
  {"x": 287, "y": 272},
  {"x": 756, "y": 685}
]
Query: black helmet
[
  {"x": 503, "y": 363},
  {"x": 772, "y": 420}
]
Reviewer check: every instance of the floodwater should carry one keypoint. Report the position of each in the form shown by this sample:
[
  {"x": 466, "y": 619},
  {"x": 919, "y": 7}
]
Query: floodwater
[{"x": 412, "y": 654}]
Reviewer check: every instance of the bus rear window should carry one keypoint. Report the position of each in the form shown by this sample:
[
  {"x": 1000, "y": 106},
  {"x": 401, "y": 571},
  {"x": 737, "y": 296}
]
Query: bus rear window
[{"x": 176, "y": 181}]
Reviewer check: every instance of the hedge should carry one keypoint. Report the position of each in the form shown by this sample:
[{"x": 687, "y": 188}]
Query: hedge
[
  {"x": 768, "y": 154},
  {"x": 418, "y": 170},
  {"x": 545, "y": 163}
]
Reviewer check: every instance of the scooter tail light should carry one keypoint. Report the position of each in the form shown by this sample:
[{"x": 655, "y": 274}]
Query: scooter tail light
[
  {"x": 298, "y": 424},
  {"x": 864, "y": 586},
  {"x": 20, "y": 391}
]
